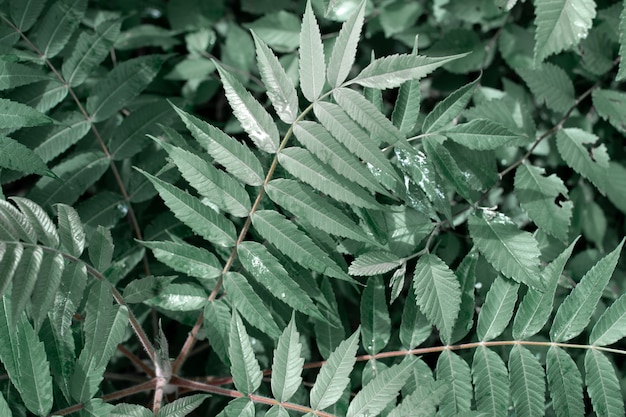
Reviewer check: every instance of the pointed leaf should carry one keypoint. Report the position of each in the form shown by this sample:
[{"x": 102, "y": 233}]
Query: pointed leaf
[
  {"x": 122, "y": 84},
  {"x": 375, "y": 321},
  {"x": 561, "y": 24},
  {"x": 311, "y": 54},
  {"x": 101, "y": 248},
  {"x": 287, "y": 364},
  {"x": 392, "y": 71},
  {"x": 527, "y": 382},
  {"x": 602, "y": 385},
  {"x": 621, "y": 73},
  {"x": 497, "y": 310},
  {"x": 455, "y": 371},
  {"x": 491, "y": 382},
  {"x": 369, "y": 117},
  {"x": 217, "y": 324},
  {"x": 437, "y": 293},
  {"x": 26, "y": 275},
  {"x": 344, "y": 49},
  {"x": 24, "y": 13},
  {"x": 14, "y": 75},
  {"x": 294, "y": 243},
  {"x": 145, "y": 288},
  {"x": 254, "y": 119},
  {"x": 575, "y": 312},
  {"x": 334, "y": 376},
  {"x": 57, "y": 26},
  {"x": 90, "y": 51},
  {"x": 304, "y": 166},
  {"x": 188, "y": 259},
  {"x": 383, "y": 389},
  {"x": 611, "y": 326},
  {"x": 536, "y": 306},
  {"x": 269, "y": 272},
  {"x": 509, "y": 250},
  {"x": 216, "y": 186},
  {"x": 46, "y": 289},
  {"x": 592, "y": 165},
  {"x": 237, "y": 158},
  {"x": 447, "y": 167},
  {"x": 328, "y": 150},
  {"x": 374, "y": 263},
  {"x": 243, "y": 297},
  {"x": 244, "y": 366},
  {"x": 189, "y": 210},
  {"x": 449, "y": 108},
  {"x": 482, "y": 135},
  {"x": 415, "y": 327},
  {"x": 611, "y": 106},
  {"x": 537, "y": 195},
  {"x": 14, "y": 115},
  {"x": 466, "y": 274},
  {"x": 70, "y": 230},
  {"x": 303, "y": 202},
  {"x": 280, "y": 89},
  {"x": 182, "y": 406},
  {"x": 565, "y": 384},
  {"x": 39, "y": 219},
  {"x": 550, "y": 83}
]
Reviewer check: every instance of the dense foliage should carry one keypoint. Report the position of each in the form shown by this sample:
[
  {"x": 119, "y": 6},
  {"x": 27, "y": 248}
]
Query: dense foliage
[{"x": 332, "y": 208}]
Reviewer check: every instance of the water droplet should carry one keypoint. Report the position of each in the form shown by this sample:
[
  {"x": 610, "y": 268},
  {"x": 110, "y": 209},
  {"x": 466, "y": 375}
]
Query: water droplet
[
  {"x": 282, "y": 295},
  {"x": 122, "y": 208},
  {"x": 478, "y": 285}
]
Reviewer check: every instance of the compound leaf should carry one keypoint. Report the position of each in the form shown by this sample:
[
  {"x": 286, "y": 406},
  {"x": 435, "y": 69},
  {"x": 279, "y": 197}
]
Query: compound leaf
[
  {"x": 311, "y": 53},
  {"x": 344, "y": 49}
]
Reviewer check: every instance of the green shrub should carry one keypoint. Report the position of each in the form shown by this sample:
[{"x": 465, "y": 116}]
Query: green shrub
[{"x": 212, "y": 208}]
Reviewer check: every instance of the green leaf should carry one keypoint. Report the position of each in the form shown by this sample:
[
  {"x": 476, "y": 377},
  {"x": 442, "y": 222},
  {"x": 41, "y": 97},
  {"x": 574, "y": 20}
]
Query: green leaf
[
  {"x": 328, "y": 150},
  {"x": 414, "y": 327},
  {"x": 551, "y": 84},
  {"x": 312, "y": 63},
  {"x": 611, "y": 326},
  {"x": 592, "y": 164},
  {"x": 611, "y": 106},
  {"x": 379, "y": 392},
  {"x": 17, "y": 223},
  {"x": 216, "y": 186},
  {"x": 449, "y": 108},
  {"x": 287, "y": 364},
  {"x": 344, "y": 49},
  {"x": 35, "y": 382},
  {"x": 24, "y": 280},
  {"x": 4, "y": 407},
  {"x": 537, "y": 195},
  {"x": 446, "y": 166},
  {"x": 304, "y": 166},
  {"x": 497, "y": 310},
  {"x": 407, "y": 106},
  {"x": 391, "y": 71},
  {"x": 269, "y": 272},
  {"x": 39, "y": 219},
  {"x": 182, "y": 257},
  {"x": 295, "y": 244},
  {"x": 536, "y": 306},
  {"x": 243, "y": 297},
  {"x": 511, "y": 251},
  {"x": 303, "y": 202},
  {"x": 602, "y": 385},
  {"x": 72, "y": 178},
  {"x": 437, "y": 293},
  {"x": 145, "y": 288},
  {"x": 254, "y": 119},
  {"x": 182, "y": 406},
  {"x": 217, "y": 323},
  {"x": 482, "y": 135},
  {"x": 281, "y": 30},
  {"x": 90, "y": 50},
  {"x": 236, "y": 157},
  {"x": 455, "y": 371},
  {"x": 280, "y": 89},
  {"x": 564, "y": 384},
  {"x": 57, "y": 26},
  {"x": 491, "y": 382},
  {"x": 180, "y": 297},
  {"x": 239, "y": 407},
  {"x": 71, "y": 230},
  {"x": 466, "y": 274},
  {"x": 561, "y": 24},
  {"x": 122, "y": 84},
  {"x": 24, "y": 13},
  {"x": 527, "y": 382},
  {"x": 101, "y": 248},
  {"x": 14, "y": 115},
  {"x": 375, "y": 321},
  {"x": 199, "y": 217},
  {"x": 334, "y": 376},
  {"x": 368, "y": 116},
  {"x": 350, "y": 134},
  {"x": 244, "y": 366},
  {"x": 621, "y": 73},
  {"x": 14, "y": 75},
  {"x": 374, "y": 263},
  {"x": 71, "y": 128},
  {"x": 575, "y": 312}
]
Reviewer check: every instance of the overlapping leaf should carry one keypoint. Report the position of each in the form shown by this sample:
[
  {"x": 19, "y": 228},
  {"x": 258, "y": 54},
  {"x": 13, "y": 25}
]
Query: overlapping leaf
[
  {"x": 344, "y": 50},
  {"x": 498, "y": 308},
  {"x": 449, "y": 108},
  {"x": 375, "y": 321}
]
